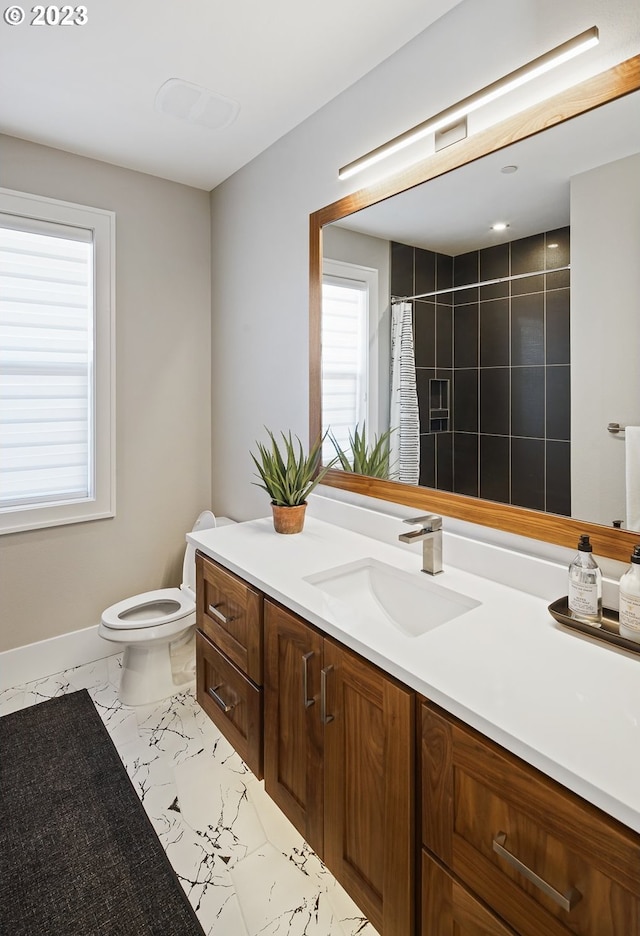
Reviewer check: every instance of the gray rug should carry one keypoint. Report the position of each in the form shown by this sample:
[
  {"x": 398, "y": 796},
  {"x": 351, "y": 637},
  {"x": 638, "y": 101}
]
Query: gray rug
[{"x": 78, "y": 855}]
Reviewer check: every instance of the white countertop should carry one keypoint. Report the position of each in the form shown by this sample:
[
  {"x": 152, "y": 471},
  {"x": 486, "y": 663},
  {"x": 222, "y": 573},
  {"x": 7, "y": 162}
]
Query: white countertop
[{"x": 566, "y": 704}]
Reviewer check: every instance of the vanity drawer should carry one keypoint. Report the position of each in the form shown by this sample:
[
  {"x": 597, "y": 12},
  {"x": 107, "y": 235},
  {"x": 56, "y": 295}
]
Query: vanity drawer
[
  {"x": 230, "y": 700},
  {"x": 449, "y": 909},
  {"x": 229, "y": 612},
  {"x": 542, "y": 858}
]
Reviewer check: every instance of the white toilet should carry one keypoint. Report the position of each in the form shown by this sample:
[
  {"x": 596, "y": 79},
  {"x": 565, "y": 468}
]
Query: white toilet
[{"x": 148, "y": 624}]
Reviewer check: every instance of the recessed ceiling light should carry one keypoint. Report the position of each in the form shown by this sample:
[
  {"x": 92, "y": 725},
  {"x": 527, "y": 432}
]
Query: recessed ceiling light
[
  {"x": 509, "y": 169},
  {"x": 499, "y": 226}
]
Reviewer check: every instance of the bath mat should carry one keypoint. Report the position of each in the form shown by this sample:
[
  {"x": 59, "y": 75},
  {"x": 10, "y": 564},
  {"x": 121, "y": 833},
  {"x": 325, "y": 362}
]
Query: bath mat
[{"x": 78, "y": 854}]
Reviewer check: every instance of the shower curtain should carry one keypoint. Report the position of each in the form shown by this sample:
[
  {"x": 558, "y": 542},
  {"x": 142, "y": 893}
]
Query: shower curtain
[{"x": 403, "y": 415}]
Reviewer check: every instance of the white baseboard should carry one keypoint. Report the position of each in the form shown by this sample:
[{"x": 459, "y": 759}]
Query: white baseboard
[{"x": 47, "y": 657}]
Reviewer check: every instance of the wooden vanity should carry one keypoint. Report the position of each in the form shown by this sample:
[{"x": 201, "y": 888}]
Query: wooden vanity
[{"x": 432, "y": 828}]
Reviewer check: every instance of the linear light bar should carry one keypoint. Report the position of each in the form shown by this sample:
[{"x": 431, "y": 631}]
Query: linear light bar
[{"x": 562, "y": 53}]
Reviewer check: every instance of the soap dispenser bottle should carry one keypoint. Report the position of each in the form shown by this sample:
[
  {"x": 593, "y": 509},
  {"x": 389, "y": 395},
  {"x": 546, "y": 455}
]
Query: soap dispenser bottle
[
  {"x": 585, "y": 586},
  {"x": 630, "y": 599}
]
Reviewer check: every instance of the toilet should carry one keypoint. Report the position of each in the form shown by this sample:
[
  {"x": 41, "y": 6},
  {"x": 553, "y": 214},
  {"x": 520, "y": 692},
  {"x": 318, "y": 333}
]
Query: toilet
[{"x": 149, "y": 624}]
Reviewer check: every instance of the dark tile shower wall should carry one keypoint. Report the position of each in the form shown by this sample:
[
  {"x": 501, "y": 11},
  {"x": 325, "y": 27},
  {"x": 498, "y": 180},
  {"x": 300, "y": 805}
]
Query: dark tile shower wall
[{"x": 501, "y": 352}]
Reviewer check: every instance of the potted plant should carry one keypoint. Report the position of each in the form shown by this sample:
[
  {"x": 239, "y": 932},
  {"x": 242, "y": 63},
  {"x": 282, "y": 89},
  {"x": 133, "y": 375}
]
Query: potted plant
[
  {"x": 288, "y": 476},
  {"x": 366, "y": 458}
]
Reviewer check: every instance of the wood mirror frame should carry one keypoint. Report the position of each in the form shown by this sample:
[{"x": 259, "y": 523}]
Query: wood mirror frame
[{"x": 552, "y": 528}]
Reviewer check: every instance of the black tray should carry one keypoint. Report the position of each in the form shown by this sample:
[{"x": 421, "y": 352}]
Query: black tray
[{"x": 609, "y": 632}]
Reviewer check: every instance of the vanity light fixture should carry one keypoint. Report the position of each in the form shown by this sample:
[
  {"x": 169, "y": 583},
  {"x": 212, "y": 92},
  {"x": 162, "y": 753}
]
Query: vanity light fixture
[{"x": 455, "y": 113}]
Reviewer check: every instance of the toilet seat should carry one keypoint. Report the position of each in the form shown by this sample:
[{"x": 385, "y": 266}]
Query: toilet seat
[
  {"x": 147, "y": 636},
  {"x": 149, "y": 609}
]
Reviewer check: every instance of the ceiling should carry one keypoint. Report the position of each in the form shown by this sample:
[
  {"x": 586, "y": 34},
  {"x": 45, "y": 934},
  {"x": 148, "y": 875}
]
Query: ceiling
[
  {"x": 90, "y": 89},
  {"x": 453, "y": 214}
]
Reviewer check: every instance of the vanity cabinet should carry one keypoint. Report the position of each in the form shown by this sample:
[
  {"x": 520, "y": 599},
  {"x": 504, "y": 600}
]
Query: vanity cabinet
[
  {"x": 505, "y": 850},
  {"x": 541, "y": 858},
  {"x": 339, "y": 762},
  {"x": 229, "y": 649}
]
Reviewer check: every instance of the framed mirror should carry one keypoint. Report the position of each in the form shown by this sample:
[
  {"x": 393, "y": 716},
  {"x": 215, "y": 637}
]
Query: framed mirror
[{"x": 519, "y": 358}]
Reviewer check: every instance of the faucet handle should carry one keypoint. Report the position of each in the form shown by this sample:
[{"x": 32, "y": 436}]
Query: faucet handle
[{"x": 429, "y": 522}]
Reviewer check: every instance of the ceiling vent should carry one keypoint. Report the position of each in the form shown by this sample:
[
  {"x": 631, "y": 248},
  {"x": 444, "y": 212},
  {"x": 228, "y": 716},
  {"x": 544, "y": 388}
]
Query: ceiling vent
[{"x": 195, "y": 104}]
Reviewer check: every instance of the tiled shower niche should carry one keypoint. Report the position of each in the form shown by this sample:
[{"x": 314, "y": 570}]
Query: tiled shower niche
[{"x": 497, "y": 354}]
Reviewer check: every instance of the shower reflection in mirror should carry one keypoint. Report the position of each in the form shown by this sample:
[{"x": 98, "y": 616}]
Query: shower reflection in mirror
[{"x": 472, "y": 356}]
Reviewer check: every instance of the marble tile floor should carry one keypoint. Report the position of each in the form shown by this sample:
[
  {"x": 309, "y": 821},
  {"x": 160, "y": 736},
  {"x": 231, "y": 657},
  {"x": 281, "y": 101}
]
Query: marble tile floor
[{"x": 245, "y": 869}]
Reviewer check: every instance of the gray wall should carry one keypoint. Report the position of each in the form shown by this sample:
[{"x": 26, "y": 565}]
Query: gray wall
[
  {"x": 260, "y": 215},
  {"x": 58, "y": 580}
]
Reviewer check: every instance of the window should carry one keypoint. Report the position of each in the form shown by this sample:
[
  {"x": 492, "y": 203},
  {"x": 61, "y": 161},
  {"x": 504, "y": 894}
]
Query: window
[
  {"x": 57, "y": 329},
  {"x": 349, "y": 299}
]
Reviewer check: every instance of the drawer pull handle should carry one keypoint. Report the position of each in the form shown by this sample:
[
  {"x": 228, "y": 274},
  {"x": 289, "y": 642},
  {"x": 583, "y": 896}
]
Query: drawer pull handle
[
  {"x": 219, "y": 700},
  {"x": 566, "y": 901},
  {"x": 306, "y": 701},
  {"x": 213, "y": 609},
  {"x": 324, "y": 718}
]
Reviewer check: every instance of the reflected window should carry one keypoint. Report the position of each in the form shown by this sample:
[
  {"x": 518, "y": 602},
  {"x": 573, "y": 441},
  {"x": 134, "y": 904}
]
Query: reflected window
[{"x": 348, "y": 296}]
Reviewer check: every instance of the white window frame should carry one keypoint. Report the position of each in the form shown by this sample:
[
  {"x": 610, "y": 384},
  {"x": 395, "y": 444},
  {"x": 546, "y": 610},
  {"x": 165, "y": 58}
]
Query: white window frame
[
  {"x": 101, "y": 503},
  {"x": 341, "y": 270}
]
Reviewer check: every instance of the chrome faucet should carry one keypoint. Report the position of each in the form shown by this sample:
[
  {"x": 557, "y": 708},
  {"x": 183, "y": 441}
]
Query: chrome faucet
[{"x": 430, "y": 535}]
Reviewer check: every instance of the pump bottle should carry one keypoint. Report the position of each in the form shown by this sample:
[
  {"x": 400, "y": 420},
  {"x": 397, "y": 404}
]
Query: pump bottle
[
  {"x": 585, "y": 586},
  {"x": 630, "y": 599}
]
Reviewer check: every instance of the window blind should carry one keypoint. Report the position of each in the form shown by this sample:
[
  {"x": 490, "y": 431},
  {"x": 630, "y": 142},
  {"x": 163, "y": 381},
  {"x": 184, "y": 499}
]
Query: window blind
[
  {"x": 344, "y": 364},
  {"x": 46, "y": 362}
]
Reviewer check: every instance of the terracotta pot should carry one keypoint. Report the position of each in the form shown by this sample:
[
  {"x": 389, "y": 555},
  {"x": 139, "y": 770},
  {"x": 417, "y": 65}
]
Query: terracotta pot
[{"x": 288, "y": 519}]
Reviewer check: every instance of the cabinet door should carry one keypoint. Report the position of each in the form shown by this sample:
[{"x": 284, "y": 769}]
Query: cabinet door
[
  {"x": 229, "y": 612},
  {"x": 449, "y": 909},
  {"x": 230, "y": 700},
  {"x": 293, "y": 768},
  {"x": 369, "y": 788}
]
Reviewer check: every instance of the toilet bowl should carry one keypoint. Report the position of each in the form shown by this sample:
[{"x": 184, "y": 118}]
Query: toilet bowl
[{"x": 149, "y": 624}]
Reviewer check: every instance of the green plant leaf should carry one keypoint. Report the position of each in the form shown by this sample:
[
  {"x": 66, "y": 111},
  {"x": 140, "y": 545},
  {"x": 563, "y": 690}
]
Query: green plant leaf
[
  {"x": 371, "y": 459},
  {"x": 286, "y": 473}
]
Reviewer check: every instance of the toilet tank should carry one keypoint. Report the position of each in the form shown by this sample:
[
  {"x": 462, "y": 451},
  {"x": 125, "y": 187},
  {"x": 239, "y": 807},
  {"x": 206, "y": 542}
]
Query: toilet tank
[{"x": 206, "y": 521}]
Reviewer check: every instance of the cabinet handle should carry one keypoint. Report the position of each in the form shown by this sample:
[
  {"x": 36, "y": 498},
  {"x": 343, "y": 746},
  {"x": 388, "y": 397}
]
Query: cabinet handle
[
  {"x": 219, "y": 700},
  {"x": 213, "y": 609},
  {"x": 566, "y": 901},
  {"x": 324, "y": 718},
  {"x": 306, "y": 701}
]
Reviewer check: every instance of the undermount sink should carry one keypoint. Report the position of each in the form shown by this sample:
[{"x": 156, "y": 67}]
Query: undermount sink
[{"x": 369, "y": 591}]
